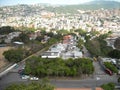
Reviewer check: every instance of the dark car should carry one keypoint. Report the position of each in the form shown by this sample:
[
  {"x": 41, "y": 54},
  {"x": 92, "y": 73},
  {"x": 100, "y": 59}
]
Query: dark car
[
  {"x": 109, "y": 72},
  {"x": 21, "y": 72}
]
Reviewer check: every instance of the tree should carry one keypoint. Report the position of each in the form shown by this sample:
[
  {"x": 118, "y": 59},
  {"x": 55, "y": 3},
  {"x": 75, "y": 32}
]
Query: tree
[
  {"x": 109, "y": 86},
  {"x": 119, "y": 80},
  {"x": 63, "y": 32},
  {"x": 114, "y": 54},
  {"x": 52, "y": 41},
  {"x": 110, "y": 32},
  {"x": 6, "y": 30},
  {"x": 117, "y": 43},
  {"x": 42, "y": 85},
  {"x": 80, "y": 43},
  {"x": 81, "y": 32},
  {"x": 110, "y": 66},
  {"x": 57, "y": 36},
  {"x": 93, "y": 33},
  {"x": 50, "y": 34},
  {"x": 42, "y": 67},
  {"x": 40, "y": 38},
  {"x": 103, "y": 36},
  {"x": 43, "y": 31},
  {"x": 93, "y": 43},
  {"x": 23, "y": 37},
  {"x": 100, "y": 46},
  {"x": 2, "y": 42},
  {"x": 14, "y": 55}
]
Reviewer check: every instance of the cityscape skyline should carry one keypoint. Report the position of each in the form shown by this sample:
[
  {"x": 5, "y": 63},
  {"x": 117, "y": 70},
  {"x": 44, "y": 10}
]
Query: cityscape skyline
[
  {"x": 59, "y": 44},
  {"x": 59, "y": 2}
]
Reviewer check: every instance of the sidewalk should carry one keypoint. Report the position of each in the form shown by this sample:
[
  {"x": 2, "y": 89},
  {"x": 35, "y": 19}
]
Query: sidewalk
[{"x": 5, "y": 67}]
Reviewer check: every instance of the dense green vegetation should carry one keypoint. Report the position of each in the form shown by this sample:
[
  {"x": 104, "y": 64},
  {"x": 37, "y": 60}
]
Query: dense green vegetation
[
  {"x": 99, "y": 45},
  {"x": 36, "y": 45},
  {"x": 117, "y": 43},
  {"x": 58, "y": 67},
  {"x": 109, "y": 86},
  {"x": 81, "y": 32},
  {"x": 114, "y": 54},
  {"x": 30, "y": 46},
  {"x": 6, "y": 30},
  {"x": 110, "y": 66},
  {"x": 119, "y": 80},
  {"x": 23, "y": 37},
  {"x": 98, "y": 42},
  {"x": 63, "y": 32},
  {"x": 40, "y": 38},
  {"x": 15, "y": 55},
  {"x": 80, "y": 43},
  {"x": 41, "y": 85},
  {"x": 27, "y": 29}
]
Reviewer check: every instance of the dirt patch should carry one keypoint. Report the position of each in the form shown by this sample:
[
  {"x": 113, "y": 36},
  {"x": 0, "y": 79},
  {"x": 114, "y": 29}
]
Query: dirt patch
[{"x": 3, "y": 62}]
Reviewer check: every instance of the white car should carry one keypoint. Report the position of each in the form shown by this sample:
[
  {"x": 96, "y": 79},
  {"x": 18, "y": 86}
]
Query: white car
[
  {"x": 34, "y": 78},
  {"x": 25, "y": 77}
]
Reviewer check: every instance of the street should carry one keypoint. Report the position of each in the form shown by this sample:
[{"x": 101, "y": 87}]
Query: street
[{"x": 88, "y": 82}]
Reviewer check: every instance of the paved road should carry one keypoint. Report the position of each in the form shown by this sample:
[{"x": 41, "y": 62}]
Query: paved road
[
  {"x": 90, "y": 82},
  {"x": 86, "y": 52}
]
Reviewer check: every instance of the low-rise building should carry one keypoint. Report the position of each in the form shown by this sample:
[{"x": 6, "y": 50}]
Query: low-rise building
[
  {"x": 11, "y": 35},
  {"x": 49, "y": 54}
]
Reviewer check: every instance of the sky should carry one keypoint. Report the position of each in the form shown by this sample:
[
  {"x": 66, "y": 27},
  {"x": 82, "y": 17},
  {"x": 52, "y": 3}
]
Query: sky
[{"x": 14, "y": 2}]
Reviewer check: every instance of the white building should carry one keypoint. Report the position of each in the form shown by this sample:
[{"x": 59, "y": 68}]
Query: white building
[{"x": 49, "y": 54}]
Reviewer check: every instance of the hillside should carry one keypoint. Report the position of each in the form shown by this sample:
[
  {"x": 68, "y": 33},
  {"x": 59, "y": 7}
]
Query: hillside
[
  {"x": 30, "y": 10},
  {"x": 87, "y": 6}
]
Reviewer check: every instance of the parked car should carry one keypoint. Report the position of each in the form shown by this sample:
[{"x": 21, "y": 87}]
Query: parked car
[
  {"x": 21, "y": 71},
  {"x": 16, "y": 66},
  {"x": 25, "y": 77},
  {"x": 34, "y": 78},
  {"x": 109, "y": 72}
]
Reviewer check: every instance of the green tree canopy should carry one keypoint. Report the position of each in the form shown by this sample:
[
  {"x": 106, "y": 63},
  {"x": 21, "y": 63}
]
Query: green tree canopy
[
  {"x": 42, "y": 67},
  {"x": 109, "y": 86},
  {"x": 99, "y": 45},
  {"x": 80, "y": 43},
  {"x": 39, "y": 38},
  {"x": 41, "y": 85},
  {"x": 119, "y": 80},
  {"x": 63, "y": 32},
  {"x": 110, "y": 66},
  {"x": 6, "y": 30},
  {"x": 14, "y": 55},
  {"x": 81, "y": 32},
  {"x": 23, "y": 37},
  {"x": 117, "y": 43},
  {"x": 114, "y": 54}
]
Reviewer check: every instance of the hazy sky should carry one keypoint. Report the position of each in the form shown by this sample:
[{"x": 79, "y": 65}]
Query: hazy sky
[{"x": 13, "y": 2}]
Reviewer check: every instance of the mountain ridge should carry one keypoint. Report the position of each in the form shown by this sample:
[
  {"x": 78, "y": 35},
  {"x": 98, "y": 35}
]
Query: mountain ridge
[
  {"x": 93, "y": 5},
  {"x": 102, "y": 2}
]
